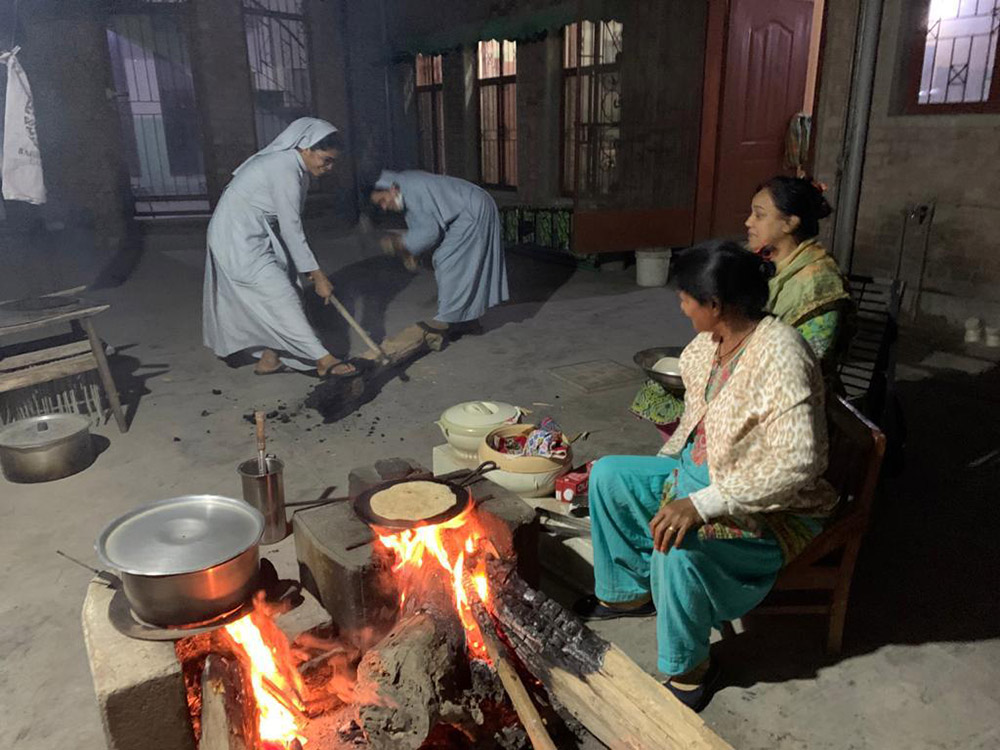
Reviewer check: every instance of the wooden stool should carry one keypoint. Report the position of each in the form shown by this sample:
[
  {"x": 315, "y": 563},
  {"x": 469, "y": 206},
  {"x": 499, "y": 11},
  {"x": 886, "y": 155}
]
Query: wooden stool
[{"x": 54, "y": 362}]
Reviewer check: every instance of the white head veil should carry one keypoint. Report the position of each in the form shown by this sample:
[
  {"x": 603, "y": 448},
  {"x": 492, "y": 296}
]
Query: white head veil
[{"x": 303, "y": 133}]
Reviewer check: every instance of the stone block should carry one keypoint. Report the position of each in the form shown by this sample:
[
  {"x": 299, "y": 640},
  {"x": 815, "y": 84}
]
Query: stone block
[
  {"x": 139, "y": 685},
  {"x": 348, "y": 577}
]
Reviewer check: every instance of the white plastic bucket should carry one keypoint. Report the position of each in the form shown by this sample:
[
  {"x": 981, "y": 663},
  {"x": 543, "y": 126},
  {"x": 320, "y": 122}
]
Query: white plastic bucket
[{"x": 652, "y": 266}]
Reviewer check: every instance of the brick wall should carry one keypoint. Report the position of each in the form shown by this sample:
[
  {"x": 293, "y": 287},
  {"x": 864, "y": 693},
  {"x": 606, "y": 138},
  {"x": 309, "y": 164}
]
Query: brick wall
[{"x": 916, "y": 159}]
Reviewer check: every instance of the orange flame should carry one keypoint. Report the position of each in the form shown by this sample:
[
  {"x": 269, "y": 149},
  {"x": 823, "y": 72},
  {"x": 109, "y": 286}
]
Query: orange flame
[
  {"x": 439, "y": 542},
  {"x": 277, "y": 725}
]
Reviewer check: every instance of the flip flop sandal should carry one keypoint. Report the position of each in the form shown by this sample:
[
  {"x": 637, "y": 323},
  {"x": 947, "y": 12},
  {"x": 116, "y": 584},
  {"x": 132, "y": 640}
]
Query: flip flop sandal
[
  {"x": 591, "y": 608},
  {"x": 330, "y": 374},
  {"x": 698, "y": 698},
  {"x": 428, "y": 328}
]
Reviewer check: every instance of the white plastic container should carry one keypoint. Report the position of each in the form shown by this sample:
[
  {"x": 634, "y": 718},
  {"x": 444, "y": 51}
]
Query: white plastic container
[
  {"x": 465, "y": 425},
  {"x": 652, "y": 266}
]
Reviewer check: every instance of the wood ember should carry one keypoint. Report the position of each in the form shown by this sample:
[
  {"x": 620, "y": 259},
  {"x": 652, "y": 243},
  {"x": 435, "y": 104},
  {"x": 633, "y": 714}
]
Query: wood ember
[{"x": 541, "y": 631}]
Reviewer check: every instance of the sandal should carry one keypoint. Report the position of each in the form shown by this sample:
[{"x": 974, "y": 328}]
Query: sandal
[
  {"x": 591, "y": 608},
  {"x": 428, "y": 328},
  {"x": 698, "y": 698},
  {"x": 339, "y": 370}
]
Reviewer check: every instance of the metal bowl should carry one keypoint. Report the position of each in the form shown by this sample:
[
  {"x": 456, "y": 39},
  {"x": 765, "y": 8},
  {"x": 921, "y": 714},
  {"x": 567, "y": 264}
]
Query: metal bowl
[
  {"x": 647, "y": 358},
  {"x": 46, "y": 447}
]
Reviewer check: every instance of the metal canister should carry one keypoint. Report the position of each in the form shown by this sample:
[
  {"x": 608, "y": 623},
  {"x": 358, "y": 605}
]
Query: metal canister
[{"x": 266, "y": 493}]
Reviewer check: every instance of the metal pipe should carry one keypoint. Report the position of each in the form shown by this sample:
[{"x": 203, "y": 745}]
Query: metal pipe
[
  {"x": 859, "y": 106},
  {"x": 386, "y": 83}
]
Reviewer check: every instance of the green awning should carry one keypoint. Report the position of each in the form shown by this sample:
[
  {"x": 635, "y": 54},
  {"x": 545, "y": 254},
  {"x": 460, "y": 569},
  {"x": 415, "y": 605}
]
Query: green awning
[{"x": 520, "y": 25}]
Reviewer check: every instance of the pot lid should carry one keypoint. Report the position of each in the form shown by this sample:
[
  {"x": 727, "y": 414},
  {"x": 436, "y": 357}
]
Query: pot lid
[
  {"x": 181, "y": 535},
  {"x": 481, "y": 414},
  {"x": 39, "y": 432}
]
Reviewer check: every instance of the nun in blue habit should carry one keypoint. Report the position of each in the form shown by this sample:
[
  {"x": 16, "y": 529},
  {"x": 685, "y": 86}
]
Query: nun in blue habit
[
  {"x": 460, "y": 223},
  {"x": 257, "y": 251}
]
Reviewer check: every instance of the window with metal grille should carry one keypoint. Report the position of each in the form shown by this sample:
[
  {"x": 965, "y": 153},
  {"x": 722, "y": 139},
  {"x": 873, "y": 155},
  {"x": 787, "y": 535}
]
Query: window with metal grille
[
  {"x": 430, "y": 113},
  {"x": 591, "y": 107},
  {"x": 280, "y": 73},
  {"x": 955, "y": 57},
  {"x": 154, "y": 90},
  {"x": 497, "y": 75}
]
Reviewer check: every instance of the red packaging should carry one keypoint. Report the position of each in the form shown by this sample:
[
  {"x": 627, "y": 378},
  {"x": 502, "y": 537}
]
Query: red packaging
[{"x": 573, "y": 485}]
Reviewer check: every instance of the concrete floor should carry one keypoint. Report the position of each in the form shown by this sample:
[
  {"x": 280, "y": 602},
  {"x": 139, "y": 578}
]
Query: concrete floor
[{"x": 923, "y": 642}]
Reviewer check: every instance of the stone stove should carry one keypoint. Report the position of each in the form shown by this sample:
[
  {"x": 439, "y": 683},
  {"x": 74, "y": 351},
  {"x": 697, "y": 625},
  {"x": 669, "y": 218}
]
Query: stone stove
[{"x": 140, "y": 684}]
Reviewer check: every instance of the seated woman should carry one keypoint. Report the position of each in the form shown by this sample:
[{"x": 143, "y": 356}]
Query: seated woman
[
  {"x": 697, "y": 534},
  {"x": 808, "y": 291}
]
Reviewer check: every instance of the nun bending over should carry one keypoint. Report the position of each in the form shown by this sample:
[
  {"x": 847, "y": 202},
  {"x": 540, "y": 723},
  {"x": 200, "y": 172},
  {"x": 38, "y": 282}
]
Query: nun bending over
[
  {"x": 458, "y": 223},
  {"x": 257, "y": 250}
]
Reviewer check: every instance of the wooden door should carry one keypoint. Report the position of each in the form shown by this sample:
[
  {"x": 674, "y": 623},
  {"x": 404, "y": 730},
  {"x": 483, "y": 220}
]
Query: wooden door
[{"x": 766, "y": 68}]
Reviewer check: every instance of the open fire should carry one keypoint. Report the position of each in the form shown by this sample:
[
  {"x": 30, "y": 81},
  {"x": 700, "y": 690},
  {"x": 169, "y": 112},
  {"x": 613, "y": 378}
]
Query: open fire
[
  {"x": 275, "y": 690},
  {"x": 450, "y": 544}
]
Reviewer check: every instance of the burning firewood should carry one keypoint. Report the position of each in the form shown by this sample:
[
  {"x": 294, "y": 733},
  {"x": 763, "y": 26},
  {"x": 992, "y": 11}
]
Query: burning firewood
[
  {"x": 224, "y": 718},
  {"x": 593, "y": 679}
]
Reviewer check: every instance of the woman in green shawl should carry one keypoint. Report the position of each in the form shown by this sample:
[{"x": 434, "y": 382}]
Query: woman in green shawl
[{"x": 807, "y": 292}]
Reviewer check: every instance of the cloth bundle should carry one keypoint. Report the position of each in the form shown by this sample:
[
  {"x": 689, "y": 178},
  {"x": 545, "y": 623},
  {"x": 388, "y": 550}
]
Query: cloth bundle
[{"x": 546, "y": 441}]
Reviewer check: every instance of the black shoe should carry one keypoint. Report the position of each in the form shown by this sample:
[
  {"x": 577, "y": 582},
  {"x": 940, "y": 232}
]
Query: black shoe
[
  {"x": 590, "y": 608},
  {"x": 698, "y": 698}
]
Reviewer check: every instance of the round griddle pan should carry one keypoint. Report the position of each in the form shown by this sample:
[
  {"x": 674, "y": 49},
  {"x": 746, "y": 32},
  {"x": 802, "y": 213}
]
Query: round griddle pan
[{"x": 459, "y": 488}]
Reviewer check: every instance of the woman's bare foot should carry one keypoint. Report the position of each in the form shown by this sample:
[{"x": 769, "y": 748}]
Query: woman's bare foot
[
  {"x": 268, "y": 363},
  {"x": 330, "y": 365}
]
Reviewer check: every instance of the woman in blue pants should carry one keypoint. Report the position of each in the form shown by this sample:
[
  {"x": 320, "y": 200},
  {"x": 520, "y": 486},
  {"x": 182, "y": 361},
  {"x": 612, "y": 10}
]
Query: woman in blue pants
[{"x": 697, "y": 534}]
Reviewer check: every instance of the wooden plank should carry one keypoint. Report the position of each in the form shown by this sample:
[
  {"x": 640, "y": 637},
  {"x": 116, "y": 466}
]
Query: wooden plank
[
  {"x": 793, "y": 609},
  {"x": 807, "y": 579},
  {"x": 48, "y": 372},
  {"x": 30, "y": 324},
  {"x": 60, "y": 293},
  {"x": 627, "y": 709},
  {"x": 17, "y": 362}
]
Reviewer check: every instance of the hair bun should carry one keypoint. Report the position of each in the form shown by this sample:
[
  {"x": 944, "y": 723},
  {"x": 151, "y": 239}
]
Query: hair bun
[
  {"x": 767, "y": 268},
  {"x": 823, "y": 208}
]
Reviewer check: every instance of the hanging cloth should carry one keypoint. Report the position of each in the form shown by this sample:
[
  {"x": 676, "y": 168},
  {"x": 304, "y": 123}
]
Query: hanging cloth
[{"x": 22, "y": 162}]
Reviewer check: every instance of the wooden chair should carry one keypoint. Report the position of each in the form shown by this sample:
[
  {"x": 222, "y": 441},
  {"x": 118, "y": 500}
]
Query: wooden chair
[
  {"x": 867, "y": 366},
  {"x": 827, "y": 564}
]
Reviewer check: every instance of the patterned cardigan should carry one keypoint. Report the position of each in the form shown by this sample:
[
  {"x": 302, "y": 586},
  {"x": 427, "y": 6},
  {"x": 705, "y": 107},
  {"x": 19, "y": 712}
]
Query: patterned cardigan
[{"x": 765, "y": 430}]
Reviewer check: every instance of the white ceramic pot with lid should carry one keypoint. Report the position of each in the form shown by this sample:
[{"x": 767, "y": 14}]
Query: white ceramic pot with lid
[{"x": 465, "y": 425}]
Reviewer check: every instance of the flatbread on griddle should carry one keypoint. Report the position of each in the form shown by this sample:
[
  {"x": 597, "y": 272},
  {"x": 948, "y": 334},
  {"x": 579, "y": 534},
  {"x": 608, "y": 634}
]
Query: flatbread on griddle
[{"x": 412, "y": 501}]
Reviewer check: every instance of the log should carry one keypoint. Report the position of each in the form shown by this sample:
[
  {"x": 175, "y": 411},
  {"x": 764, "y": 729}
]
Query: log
[
  {"x": 226, "y": 715},
  {"x": 408, "y": 683},
  {"x": 409, "y": 342},
  {"x": 593, "y": 679}
]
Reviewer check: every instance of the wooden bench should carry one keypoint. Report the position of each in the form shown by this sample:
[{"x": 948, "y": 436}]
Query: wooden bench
[{"x": 43, "y": 365}]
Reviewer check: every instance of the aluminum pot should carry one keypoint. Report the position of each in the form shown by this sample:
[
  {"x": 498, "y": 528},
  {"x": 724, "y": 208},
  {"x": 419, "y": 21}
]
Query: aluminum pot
[
  {"x": 40, "y": 449},
  {"x": 185, "y": 560}
]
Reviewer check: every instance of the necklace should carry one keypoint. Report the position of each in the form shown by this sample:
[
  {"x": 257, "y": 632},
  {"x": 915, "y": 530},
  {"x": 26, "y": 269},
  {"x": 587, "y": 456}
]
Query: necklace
[{"x": 720, "y": 357}]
